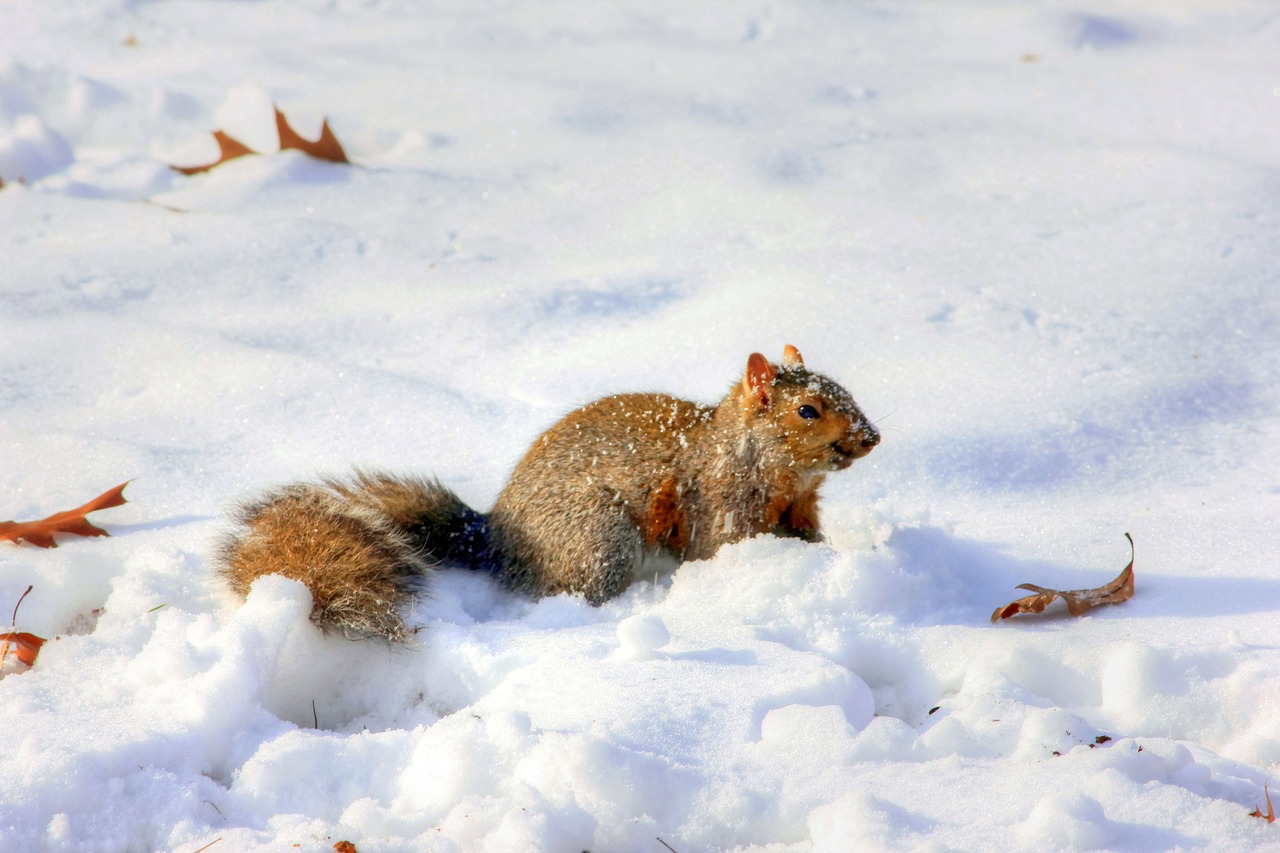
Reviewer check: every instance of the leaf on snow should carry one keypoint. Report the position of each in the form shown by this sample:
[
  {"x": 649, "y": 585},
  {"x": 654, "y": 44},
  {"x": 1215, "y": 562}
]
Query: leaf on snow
[
  {"x": 40, "y": 533},
  {"x": 1078, "y": 600},
  {"x": 25, "y": 646},
  {"x": 326, "y": 147},
  {"x": 228, "y": 149},
  {"x": 345, "y": 847},
  {"x": 1270, "y": 816}
]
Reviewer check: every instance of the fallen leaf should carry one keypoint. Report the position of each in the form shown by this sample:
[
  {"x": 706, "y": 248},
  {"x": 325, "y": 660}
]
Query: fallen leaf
[
  {"x": 1078, "y": 600},
  {"x": 1270, "y": 816},
  {"x": 25, "y": 646},
  {"x": 345, "y": 847},
  {"x": 228, "y": 149},
  {"x": 326, "y": 147},
  {"x": 40, "y": 533}
]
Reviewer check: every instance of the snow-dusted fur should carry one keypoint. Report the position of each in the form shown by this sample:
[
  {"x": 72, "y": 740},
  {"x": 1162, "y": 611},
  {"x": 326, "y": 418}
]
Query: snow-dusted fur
[
  {"x": 357, "y": 544},
  {"x": 611, "y": 487}
]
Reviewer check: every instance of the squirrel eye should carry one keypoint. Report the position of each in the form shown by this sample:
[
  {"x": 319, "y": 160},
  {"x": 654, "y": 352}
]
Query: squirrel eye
[{"x": 807, "y": 412}]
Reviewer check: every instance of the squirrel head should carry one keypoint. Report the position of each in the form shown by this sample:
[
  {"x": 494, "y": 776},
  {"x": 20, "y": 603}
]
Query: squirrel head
[{"x": 806, "y": 416}]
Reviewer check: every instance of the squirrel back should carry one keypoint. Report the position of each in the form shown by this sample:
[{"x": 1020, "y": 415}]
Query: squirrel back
[{"x": 613, "y": 485}]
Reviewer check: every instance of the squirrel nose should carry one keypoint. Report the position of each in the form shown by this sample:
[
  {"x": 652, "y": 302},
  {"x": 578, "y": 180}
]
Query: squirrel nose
[{"x": 868, "y": 436}]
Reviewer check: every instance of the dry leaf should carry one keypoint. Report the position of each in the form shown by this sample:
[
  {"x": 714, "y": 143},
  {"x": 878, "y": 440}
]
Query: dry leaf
[
  {"x": 1078, "y": 600},
  {"x": 228, "y": 149},
  {"x": 345, "y": 847},
  {"x": 1270, "y": 816},
  {"x": 25, "y": 646},
  {"x": 326, "y": 147},
  {"x": 40, "y": 533}
]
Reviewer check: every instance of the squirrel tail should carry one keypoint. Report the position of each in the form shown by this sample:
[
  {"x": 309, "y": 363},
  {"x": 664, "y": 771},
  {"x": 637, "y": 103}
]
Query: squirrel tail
[{"x": 365, "y": 546}]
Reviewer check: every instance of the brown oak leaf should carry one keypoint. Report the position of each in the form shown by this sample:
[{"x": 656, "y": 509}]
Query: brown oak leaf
[
  {"x": 345, "y": 847},
  {"x": 1078, "y": 600},
  {"x": 40, "y": 533},
  {"x": 228, "y": 149},
  {"x": 326, "y": 147},
  {"x": 1270, "y": 816}
]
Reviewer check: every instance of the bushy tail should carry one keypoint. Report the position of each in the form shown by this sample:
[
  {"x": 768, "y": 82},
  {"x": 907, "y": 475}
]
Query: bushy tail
[{"x": 364, "y": 546}]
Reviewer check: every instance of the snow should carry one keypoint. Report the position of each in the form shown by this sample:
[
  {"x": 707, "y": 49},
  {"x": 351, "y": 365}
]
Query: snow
[{"x": 1036, "y": 242}]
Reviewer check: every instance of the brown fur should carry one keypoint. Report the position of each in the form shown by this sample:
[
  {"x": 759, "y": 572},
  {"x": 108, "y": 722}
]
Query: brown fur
[
  {"x": 357, "y": 563},
  {"x": 617, "y": 481},
  {"x": 664, "y": 524}
]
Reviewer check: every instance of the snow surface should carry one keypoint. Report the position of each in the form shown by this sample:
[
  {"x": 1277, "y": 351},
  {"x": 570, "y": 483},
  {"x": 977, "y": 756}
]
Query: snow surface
[{"x": 1036, "y": 241}]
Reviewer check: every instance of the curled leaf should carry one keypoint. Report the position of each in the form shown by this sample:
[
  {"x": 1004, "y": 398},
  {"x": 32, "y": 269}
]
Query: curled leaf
[
  {"x": 25, "y": 646},
  {"x": 1270, "y": 816},
  {"x": 1078, "y": 600},
  {"x": 40, "y": 533}
]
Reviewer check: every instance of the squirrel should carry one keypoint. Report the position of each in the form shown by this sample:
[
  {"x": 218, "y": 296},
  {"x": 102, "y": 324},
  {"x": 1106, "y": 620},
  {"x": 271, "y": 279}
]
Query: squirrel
[{"x": 615, "y": 484}]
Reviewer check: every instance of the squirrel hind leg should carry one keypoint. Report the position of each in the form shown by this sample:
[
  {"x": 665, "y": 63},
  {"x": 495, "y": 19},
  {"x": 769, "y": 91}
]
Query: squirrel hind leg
[
  {"x": 600, "y": 560},
  {"x": 360, "y": 568}
]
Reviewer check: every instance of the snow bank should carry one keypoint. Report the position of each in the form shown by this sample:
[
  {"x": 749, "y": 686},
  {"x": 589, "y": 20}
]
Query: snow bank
[{"x": 1036, "y": 244}]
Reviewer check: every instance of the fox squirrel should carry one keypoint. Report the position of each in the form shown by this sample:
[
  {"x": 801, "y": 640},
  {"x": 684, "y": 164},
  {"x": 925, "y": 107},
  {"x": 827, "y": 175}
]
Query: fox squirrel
[{"x": 617, "y": 483}]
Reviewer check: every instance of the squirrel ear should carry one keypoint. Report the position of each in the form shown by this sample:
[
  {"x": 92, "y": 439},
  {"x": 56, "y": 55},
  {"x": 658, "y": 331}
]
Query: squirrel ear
[
  {"x": 758, "y": 383},
  {"x": 791, "y": 356}
]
